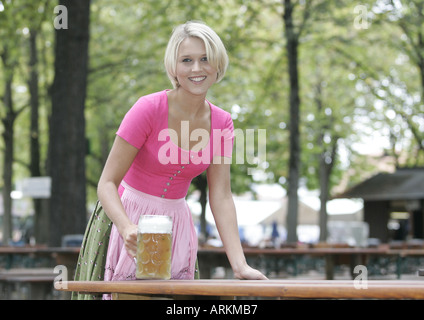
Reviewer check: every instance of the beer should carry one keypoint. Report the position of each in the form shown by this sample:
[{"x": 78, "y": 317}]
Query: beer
[{"x": 154, "y": 246}]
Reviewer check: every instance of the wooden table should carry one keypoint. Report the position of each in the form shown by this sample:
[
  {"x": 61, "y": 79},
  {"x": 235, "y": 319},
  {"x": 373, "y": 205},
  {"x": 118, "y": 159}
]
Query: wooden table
[{"x": 306, "y": 289}]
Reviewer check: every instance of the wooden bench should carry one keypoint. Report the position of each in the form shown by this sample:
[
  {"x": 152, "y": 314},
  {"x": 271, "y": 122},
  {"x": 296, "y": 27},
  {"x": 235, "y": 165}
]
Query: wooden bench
[
  {"x": 286, "y": 289},
  {"x": 210, "y": 258},
  {"x": 67, "y": 256},
  {"x": 39, "y": 283}
]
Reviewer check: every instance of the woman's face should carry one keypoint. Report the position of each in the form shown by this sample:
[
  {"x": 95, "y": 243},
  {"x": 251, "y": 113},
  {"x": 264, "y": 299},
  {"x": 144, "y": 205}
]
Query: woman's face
[{"x": 194, "y": 73}]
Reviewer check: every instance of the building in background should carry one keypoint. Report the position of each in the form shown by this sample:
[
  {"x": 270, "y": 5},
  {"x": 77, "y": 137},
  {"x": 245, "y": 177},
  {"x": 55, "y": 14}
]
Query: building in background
[{"x": 393, "y": 204}]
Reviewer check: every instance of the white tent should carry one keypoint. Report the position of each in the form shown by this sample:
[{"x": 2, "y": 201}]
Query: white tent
[{"x": 256, "y": 217}]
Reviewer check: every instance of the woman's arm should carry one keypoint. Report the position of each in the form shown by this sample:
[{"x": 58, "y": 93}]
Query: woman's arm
[
  {"x": 119, "y": 161},
  {"x": 224, "y": 212}
]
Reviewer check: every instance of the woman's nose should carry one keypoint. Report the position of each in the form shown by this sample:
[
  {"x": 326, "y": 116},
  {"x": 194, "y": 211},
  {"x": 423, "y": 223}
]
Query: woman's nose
[{"x": 196, "y": 66}]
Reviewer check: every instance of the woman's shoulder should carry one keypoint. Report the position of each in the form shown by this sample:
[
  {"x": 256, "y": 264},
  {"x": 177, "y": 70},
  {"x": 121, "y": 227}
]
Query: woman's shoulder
[
  {"x": 221, "y": 117},
  {"x": 150, "y": 103},
  {"x": 153, "y": 99},
  {"x": 142, "y": 118}
]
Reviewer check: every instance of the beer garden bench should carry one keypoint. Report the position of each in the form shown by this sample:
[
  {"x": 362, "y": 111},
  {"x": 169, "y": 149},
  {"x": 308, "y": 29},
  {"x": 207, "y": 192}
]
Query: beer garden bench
[{"x": 26, "y": 283}]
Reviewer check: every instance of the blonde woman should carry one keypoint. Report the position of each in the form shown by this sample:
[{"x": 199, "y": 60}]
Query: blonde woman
[{"x": 165, "y": 140}]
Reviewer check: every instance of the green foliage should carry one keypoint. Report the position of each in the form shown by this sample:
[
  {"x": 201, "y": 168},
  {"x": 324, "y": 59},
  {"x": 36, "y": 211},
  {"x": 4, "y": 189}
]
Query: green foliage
[{"x": 353, "y": 81}]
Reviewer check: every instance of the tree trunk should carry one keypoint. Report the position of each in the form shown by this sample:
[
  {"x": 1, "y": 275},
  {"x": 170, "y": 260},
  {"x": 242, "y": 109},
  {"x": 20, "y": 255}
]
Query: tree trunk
[
  {"x": 40, "y": 210},
  {"x": 294, "y": 161},
  {"x": 327, "y": 158},
  {"x": 324, "y": 177},
  {"x": 326, "y": 165},
  {"x": 67, "y": 147},
  {"x": 8, "y": 136},
  {"x": 34, "y": 103}
]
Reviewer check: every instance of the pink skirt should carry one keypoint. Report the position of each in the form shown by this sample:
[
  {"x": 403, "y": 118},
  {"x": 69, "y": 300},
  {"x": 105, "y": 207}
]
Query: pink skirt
[{"x": 121, "y": 266}]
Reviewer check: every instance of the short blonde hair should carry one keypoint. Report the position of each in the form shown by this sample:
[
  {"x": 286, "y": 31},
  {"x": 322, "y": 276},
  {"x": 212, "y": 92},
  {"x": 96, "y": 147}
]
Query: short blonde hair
[{"x": 215, "y": 49}]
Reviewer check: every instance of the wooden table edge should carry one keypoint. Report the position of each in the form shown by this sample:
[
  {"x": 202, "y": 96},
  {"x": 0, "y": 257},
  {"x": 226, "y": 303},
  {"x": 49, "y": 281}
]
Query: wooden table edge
[{"x": 372, "y": 289}]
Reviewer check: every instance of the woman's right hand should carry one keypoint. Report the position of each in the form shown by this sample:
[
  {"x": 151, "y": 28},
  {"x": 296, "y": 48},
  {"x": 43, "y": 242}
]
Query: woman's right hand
[
  {"x": 129, "y": 234},
  {"x": 120, "y": 158}
]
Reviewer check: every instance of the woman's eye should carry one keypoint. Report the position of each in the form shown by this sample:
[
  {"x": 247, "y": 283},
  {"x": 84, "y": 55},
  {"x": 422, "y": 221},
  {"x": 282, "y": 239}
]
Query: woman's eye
[
  {"x": 186, "y": 60},
  {"x": 205, "y": 59}
]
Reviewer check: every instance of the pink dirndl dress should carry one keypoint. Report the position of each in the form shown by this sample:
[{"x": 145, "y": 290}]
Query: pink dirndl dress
[
  {"x": 165, "y": 171},
  {"x": 121, "y": 266}
]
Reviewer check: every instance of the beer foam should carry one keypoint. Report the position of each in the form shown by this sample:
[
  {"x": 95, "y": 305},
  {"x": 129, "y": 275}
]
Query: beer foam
[{"x": 155, "y": 224}]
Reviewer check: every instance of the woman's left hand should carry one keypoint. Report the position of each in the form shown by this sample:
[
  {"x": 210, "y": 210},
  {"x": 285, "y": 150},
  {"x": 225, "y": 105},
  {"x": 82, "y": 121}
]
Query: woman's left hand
[{"x": 248, "y": 273}]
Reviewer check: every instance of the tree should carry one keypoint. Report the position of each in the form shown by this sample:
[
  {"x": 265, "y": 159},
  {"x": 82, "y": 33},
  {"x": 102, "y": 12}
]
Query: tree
[
  {"x": 292, "y": 35},
  {"x": 347, "y": 76},
  {"x": 35, "y": 166},
  {"x": 10, "y": 60},
  {"x": 390, "y": 88},
  {"x": 328, "y": 102},
  {"x": 8, "y": 137},
  {"x": 408, "y": 19},
  {"x": 68, "y": 147}
]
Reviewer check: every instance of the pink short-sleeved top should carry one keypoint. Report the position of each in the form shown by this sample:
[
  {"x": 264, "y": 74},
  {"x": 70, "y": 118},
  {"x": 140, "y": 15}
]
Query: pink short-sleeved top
[{"x": 161, "y": 168}]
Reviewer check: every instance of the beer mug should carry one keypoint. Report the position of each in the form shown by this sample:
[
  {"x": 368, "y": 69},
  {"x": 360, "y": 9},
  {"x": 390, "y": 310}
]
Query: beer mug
[{"x": 154, "y": 247}]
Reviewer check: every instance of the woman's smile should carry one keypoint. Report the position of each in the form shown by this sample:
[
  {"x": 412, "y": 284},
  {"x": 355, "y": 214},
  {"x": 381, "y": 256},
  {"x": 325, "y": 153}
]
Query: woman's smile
[{"x": 198, "y": 79}]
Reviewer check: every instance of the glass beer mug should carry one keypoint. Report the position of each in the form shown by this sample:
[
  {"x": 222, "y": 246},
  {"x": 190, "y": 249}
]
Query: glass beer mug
[{"x": 154, "y": 247}]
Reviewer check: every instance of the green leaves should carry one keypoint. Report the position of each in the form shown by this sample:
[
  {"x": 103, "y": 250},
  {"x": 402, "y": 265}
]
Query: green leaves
[{"x": 349, "y": 74}]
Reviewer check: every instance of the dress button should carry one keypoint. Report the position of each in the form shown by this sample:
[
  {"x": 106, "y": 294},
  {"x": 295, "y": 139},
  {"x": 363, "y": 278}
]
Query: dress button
[
  {"x": 182, "y": 167},
  {"x": 167, "y": 183},
  {"x": 164, "y": 190},
  {"x": 162, "y": 196},
  {"x": 179, "y": 171},
  {"x": 170, "y": 178}
]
